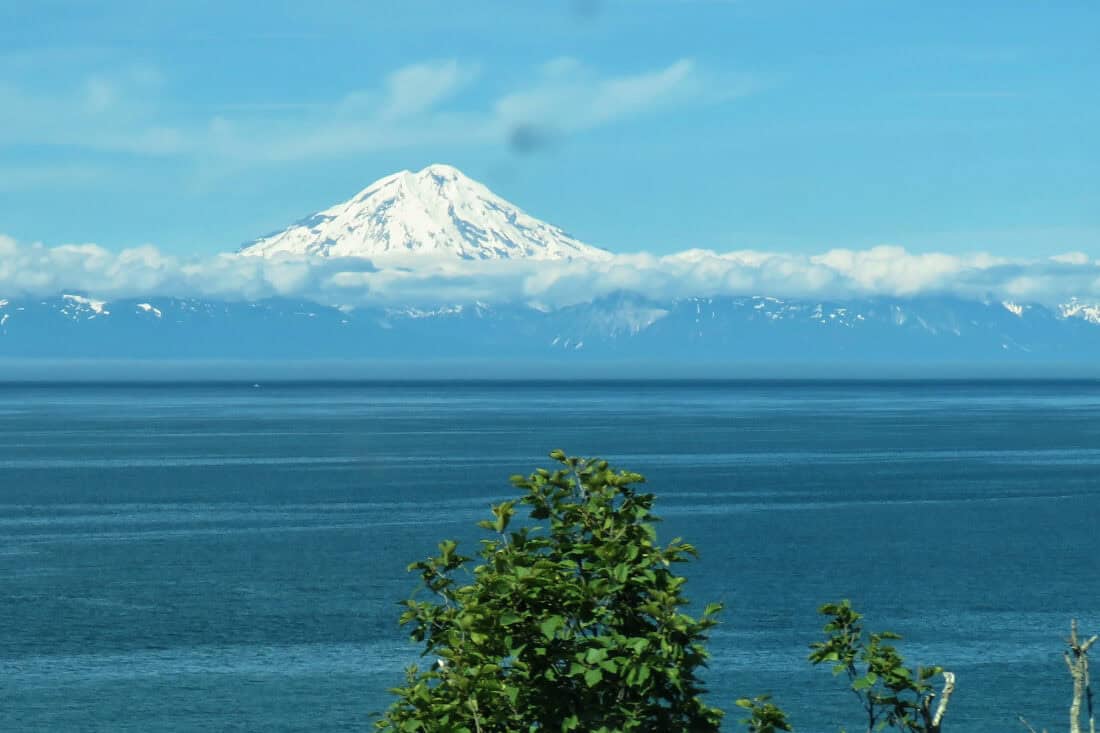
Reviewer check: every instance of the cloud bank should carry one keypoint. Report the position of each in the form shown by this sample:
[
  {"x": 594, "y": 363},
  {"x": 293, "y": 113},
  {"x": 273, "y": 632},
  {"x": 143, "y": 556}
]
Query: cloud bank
[{"x": 33, "y": 269}]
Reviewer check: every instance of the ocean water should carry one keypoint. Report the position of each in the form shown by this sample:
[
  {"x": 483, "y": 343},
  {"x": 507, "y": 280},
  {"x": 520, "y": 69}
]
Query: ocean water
[{"x": 230, "y": 557}]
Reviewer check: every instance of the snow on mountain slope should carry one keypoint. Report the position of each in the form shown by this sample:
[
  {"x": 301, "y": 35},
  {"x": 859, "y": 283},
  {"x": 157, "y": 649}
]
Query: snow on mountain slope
[
  {"x": 1089, "y": 312},
  {"x": 78, "y": 306},
  {"x": 436, "y": 212}
]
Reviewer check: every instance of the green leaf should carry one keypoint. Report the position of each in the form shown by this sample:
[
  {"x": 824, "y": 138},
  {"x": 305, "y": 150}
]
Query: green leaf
[
  {"x": 862, "y": 683},
  {"x": 550, "y": 626},
  {"x": 593, "y": 656}
]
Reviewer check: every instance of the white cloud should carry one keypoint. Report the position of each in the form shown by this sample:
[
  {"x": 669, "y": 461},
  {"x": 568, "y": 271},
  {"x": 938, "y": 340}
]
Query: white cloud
[
  {"x": 116, "y": 112},
  {"x": 415, "y": 89},
  {"x": 571, "y": 97},
  {"x": 893, "y": 270},
  {"x": 416, "y": 107},
  {"x": 1072, "y": 258},
  {"x": 35, "y": 269},
  {"x": 429, "y": 103}
]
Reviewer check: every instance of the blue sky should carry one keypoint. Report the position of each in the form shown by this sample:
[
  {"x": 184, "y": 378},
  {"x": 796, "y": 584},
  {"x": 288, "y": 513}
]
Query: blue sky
[{"x": 654, "y": 125}]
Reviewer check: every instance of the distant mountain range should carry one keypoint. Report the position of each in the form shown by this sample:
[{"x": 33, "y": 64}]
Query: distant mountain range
[
  {"x": 438, "y": 215},
  {"x": 621, "y": 327}
]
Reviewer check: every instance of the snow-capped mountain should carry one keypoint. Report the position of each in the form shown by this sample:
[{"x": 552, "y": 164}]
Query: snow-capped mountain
[{"x": 436, "y": 212}]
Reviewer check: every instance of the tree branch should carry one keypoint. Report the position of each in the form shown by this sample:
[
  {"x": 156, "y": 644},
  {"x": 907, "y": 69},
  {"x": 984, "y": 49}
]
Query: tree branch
[
  {"x": 1023, "y": 722},
  {"x": 1077, "y": 660},
  {"x": 945, "y": 697}
]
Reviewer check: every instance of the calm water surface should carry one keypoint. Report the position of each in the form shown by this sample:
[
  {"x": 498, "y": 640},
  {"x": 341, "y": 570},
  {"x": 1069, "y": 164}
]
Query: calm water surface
[{"x": 223, "y": 557}]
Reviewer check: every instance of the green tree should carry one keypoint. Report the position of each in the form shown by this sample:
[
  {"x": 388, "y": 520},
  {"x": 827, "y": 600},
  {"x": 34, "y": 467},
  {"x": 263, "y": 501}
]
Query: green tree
[
  {"x": 572, "y": 621},
  {"x": 891, "y": 694}
]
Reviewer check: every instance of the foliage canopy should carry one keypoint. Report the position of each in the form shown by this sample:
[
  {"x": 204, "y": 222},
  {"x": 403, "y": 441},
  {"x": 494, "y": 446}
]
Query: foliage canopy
[{"x": 572, "y": 621}]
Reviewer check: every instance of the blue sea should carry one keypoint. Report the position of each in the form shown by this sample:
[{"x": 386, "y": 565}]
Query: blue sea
[{"x": 199, "y": 557}]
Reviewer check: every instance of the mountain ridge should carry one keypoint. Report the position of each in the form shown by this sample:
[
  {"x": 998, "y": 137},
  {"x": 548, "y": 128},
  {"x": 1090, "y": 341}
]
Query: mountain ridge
[{"x": 621, "y": 326}]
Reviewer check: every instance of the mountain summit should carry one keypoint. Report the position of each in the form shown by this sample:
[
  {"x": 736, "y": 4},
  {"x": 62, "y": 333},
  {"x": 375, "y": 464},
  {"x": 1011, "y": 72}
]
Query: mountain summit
[{"x": 436, "y": 212}]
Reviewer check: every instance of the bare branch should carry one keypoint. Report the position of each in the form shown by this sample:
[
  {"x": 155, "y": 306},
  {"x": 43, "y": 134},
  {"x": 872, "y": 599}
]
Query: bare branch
[
  {"x": 1077, "y": 660},
  {"x": 945, "y": 697},
  {"x": 1023, "y": 721}
]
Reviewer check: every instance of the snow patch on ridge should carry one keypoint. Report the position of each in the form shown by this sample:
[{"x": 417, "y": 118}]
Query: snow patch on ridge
[
  {"x": 78, "y": 305},
  {"x": 1089, "y": 312}
]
